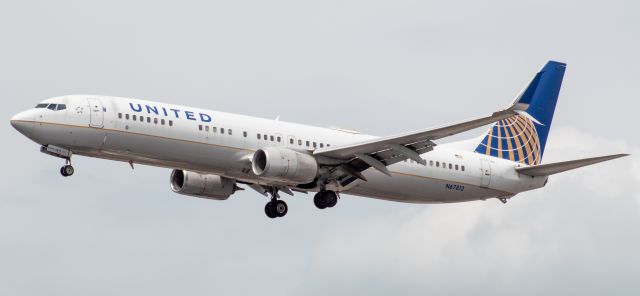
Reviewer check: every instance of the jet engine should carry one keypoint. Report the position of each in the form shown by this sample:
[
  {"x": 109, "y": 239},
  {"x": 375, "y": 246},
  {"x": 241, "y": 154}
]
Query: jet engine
[
  {"x": 284, "y": 165},
  {"x": 200, "y": 185}
]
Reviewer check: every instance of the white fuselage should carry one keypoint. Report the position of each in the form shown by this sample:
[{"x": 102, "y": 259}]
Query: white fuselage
[{"x": 192, "y": 139}]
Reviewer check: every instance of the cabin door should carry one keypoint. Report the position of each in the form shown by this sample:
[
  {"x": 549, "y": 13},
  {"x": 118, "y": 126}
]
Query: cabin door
[
  {"x": 486, "y": 173},
  {"x": 96, "y": 113}
]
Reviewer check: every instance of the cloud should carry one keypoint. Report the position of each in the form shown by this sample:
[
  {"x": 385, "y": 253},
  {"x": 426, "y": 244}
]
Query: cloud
[{"x": 569, "y": 236}]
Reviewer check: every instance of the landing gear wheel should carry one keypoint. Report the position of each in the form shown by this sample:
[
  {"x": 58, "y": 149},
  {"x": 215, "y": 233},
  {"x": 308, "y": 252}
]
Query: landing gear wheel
[
  {"x": 318, "y": 200},
  {"x": 269, "y": 209},
  {"x": 330, "y": 198},
  {"x": 325, "y": 199},
  {"x": 280, "y": 208},
  {"x": 67, "y": 171}
]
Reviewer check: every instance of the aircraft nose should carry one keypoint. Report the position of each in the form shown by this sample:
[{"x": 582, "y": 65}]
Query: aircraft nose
[{"x": 22, "y": 121}]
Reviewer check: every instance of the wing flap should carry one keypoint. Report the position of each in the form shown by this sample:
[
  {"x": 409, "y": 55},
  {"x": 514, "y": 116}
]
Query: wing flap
[{"x": 559, "y": 167}]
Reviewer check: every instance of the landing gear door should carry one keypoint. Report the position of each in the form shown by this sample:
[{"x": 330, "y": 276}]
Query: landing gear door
[
  {"x": 486, "y": 173},
  {"x": 97, "y": 113}
]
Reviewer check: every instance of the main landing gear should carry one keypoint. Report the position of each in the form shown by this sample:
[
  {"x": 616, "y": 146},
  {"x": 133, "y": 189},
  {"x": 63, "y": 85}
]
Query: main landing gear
[
  {"x": 325, "y": 199},
  {"x": 278, "y": 208},
  {"x": 275, "y": 208}
]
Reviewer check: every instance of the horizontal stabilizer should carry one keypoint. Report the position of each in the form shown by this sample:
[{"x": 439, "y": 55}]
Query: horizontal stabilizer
[{"x": 559, "y": 167}]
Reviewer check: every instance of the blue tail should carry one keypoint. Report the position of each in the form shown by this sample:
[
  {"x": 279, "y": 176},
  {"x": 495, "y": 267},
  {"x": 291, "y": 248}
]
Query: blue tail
[{"x": 522, "y": 138}]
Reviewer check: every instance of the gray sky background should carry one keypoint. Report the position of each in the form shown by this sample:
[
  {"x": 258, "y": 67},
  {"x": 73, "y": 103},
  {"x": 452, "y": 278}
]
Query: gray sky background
[{"x": 381, "y": 67}]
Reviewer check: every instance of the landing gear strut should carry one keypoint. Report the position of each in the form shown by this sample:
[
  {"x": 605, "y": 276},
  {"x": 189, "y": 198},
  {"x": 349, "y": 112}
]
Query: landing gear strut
[
  {"x": 275, "y": 208},
  {"x": 325, "y": 199}
]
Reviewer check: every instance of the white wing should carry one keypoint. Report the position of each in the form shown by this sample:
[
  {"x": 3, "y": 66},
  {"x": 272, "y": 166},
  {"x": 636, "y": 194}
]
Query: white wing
[{"x": 381, "y": 152}]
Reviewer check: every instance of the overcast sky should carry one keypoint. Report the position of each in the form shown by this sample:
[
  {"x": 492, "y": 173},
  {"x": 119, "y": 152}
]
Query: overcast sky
[{"x": 381, "y": 67}]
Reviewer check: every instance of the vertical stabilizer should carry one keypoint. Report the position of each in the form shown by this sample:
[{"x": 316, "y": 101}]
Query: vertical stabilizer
[{"x": 522, "y": 138}]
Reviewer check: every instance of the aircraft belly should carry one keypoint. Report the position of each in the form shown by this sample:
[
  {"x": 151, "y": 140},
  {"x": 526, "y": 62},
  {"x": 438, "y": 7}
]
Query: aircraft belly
[
  {"x": 418, "y": 189},
  {"x": 83, "y": 138},
  {"x": 149, "y": 150}
]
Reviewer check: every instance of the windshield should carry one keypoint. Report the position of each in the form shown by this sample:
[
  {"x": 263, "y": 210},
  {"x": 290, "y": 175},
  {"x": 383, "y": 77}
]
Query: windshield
[{"x": 53, "y": 107}]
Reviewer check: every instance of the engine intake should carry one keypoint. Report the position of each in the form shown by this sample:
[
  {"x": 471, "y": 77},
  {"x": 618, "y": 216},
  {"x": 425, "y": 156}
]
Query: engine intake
[
  {"x": 200, "y": 185},
  {"x": 284, "y": 165}
]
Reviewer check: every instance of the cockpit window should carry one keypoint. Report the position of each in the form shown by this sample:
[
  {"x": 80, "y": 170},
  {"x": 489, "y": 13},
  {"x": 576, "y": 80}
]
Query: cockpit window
[{"x": 54, "y": 107}]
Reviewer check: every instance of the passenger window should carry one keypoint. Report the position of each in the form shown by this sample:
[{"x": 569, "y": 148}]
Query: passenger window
[
  {"x": 450, "y": 166},
  {"x": 279, "y": 139},
  {"x": 299, "y": 142},
  {"x": 206, "y": 128},
  {"x": 141, "y": 118},
  {"x": 291, "y": 141},
  {"x": 135, "y": 118},
  {"x": 222, "y": 130},
  {"x": 42, "y": 105},
  {"x": 162, "y": 121},
  {"x": 126, "y": 116},
  {"x": 444, "y": 165},
  {"x": 258, "y": 136},
  {"x": 148, "y": 119},
  {"x": 431, "y": 162},
  {"x": 462, "y": 168},
  {"x": 456, "y": 167},
  {"x": 437, "y": 164},
  {"x": 52, "y": 107},
  {"x": 214, "y": 129},
  {"x": 328, "y": 145},
  {"x": 321, "y": 145},
  {"x": 61, "y": 107},
  {"x": 170, "y": 122},
  {"x": 230, "y": 132},
  {"x": 314, "y": 144},
  {"x": 120, "y": 115},
  {"x": 200, "y": 127},
  {"x": 307, "y": 143},
  {"x": 244, "y": 134},
  {"x": 271, "y": 137},
  {"x": 155, "y": 120}
]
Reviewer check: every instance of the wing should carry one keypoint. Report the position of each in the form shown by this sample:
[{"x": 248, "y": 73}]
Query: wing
[{"x": 379, "y": 153}]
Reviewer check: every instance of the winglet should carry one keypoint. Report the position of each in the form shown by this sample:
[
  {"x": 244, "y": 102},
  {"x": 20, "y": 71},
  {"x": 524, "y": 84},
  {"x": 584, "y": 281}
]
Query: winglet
[{"x": 558, "y": 167}]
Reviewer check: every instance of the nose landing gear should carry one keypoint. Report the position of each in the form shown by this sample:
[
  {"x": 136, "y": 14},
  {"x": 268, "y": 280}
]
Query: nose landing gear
[{"x": 67, "y": 170}]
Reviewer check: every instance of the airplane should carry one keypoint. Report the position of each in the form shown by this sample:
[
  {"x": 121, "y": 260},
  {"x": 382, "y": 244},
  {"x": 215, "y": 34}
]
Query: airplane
[{"x": 214, "y": 154}]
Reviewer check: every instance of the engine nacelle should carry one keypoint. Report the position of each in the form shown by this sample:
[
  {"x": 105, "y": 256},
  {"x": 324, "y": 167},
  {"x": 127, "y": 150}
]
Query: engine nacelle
[
  {"x": 284, "y": 165},
  {"x": 204, "y": 186}
]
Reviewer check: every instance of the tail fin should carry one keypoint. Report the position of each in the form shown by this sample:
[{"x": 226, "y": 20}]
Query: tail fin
[{"x": 522, "y": 138}]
